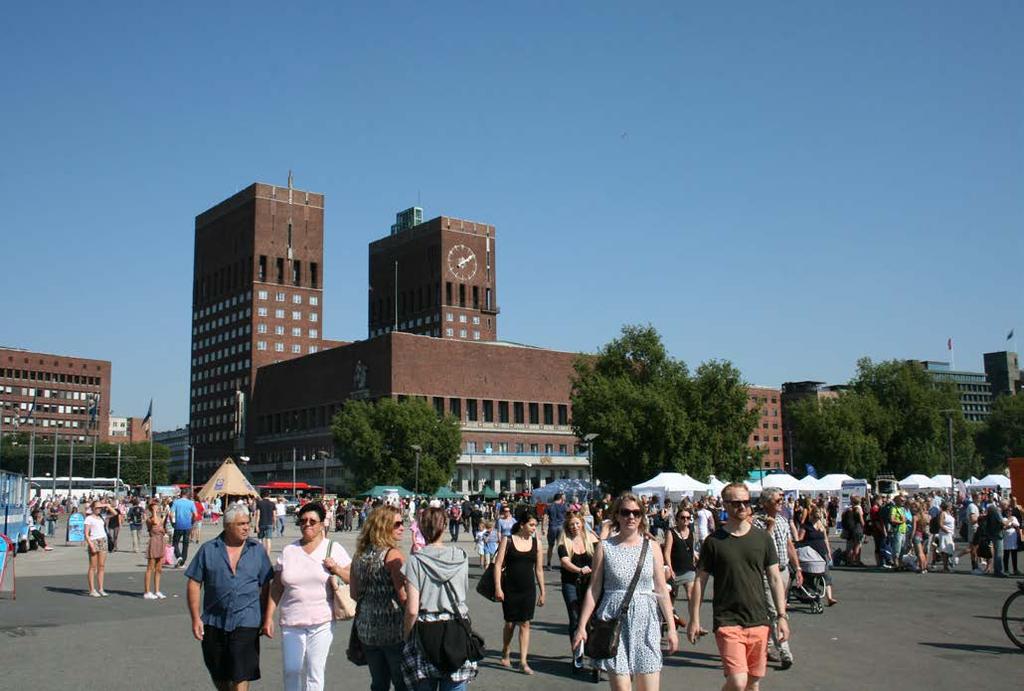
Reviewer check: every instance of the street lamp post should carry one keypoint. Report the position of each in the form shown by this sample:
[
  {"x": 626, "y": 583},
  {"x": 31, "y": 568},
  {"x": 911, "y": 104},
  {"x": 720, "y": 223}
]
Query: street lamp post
[
  {"x": 589, "y": 439},
  {"x": 949, "y": 428},
  {"x": 191, "y": 466},
  {"x": 294, "y": 458},
  {"x": 323, "y": 490},
  {"x": 418, "y": 449}
]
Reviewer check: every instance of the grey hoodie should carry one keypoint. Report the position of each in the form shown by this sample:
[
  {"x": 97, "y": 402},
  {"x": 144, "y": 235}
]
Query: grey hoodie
[{"x": 433, "y": 566}]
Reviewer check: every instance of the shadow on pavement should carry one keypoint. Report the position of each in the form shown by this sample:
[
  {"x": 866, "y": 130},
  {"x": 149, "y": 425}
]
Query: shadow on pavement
[{"x": 974, "y": 648}]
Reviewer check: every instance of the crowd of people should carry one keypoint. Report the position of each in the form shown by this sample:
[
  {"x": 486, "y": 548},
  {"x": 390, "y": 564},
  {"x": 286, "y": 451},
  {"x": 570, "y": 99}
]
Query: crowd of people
[{"x": 633, "y": 560}]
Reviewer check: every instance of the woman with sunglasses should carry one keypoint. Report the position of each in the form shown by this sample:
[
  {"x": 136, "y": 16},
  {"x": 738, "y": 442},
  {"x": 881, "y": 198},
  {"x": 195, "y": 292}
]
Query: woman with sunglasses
[
  {"x": 680, "y": 557},
  {"x": 300, "y": 590},
  {"x": 379, "y": 587},
  {"x": 615, "y": 562},
  {"x": 96, "y": 543}
]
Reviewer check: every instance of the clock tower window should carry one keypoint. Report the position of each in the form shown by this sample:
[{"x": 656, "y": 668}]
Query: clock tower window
[
  {"x": 476, "y": 297},
  {"x": 462, "y": 295}
]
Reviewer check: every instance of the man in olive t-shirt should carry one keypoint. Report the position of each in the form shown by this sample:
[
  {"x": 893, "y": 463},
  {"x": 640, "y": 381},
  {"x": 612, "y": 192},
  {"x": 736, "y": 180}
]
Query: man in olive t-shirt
[{"x": 738, "y": 558}]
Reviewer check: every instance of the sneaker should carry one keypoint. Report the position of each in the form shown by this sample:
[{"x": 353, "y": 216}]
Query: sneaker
[
  {"x": 93, "y": 593},
  {"x": 47, "y": 549},
  {"x": 159, "y": 595},
  {"x": 786, "y": 663},
  {"x": 103, "y": 593},
  {"x": 178, "y": 564},
  {"x": 149, "y": 596}
]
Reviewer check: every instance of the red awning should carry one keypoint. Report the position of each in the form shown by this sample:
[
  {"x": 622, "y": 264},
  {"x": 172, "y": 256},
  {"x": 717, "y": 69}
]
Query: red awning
[{"x": 277, "y": 484}]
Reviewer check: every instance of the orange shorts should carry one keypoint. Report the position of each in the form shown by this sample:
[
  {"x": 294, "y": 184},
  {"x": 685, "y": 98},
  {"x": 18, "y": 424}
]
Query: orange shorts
[{"x": 744, "y": 651}]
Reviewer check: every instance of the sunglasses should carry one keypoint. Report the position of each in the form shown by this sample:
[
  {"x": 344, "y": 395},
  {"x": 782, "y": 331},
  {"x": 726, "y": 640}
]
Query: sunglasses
[
  {"x": 635, "y": 513},
  {"x": 399, "y": 524},
  {"x": 737, "y": 503},
  {"x": 685, "y": 518},
  {"x": 308, "y": 521}
]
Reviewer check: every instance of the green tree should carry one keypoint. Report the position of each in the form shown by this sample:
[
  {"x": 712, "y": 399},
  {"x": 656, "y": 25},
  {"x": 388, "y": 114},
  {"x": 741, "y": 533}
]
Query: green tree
[
  {"x": 651, "y": 415},
  {"x": 1002, "y": 436},
  {"x": 375, "y": 440},
  {"x": 833, "y": 435}
]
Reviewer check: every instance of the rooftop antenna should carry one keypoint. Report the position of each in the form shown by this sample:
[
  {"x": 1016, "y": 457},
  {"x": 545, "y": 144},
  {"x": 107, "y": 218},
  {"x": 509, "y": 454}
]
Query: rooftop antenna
[{"x": 289, "y": 179}]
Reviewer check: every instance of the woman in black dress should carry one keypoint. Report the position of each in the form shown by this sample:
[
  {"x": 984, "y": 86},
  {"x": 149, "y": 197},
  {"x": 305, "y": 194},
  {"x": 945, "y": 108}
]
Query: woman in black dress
[{"x": 517, "y": 567}]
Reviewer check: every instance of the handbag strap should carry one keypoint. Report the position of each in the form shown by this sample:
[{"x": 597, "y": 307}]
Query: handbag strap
[{"x": 624, "y": 607}]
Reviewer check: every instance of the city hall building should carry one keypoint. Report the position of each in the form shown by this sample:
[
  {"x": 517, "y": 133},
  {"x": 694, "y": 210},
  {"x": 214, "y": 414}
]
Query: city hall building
[{"x": 265, "y": 383}]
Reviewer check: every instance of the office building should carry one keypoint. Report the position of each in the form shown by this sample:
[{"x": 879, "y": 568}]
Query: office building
[
  {"x": 767, "y": 435},
  {"x": 71, "y": 395},
  {"x": 257, "y": 299},
  {"x": 177, "y": 441},
  {"x": 1002, "y": 370},
  {"x": 973, "y": 388}
]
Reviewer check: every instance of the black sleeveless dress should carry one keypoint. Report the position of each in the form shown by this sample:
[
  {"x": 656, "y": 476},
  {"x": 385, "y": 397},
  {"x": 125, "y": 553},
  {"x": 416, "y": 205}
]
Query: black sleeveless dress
[{"x": 518, "y": 582}]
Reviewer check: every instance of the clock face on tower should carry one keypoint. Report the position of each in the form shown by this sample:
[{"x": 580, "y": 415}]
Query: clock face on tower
[{"x": 462, "y": 262}]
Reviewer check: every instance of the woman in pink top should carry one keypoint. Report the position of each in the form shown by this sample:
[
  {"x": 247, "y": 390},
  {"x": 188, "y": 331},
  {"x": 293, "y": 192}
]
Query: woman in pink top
[{"x": 302, "y": 594}]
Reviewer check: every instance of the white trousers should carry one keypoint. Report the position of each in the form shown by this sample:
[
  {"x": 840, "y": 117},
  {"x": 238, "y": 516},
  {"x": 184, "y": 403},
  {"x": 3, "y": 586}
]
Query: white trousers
[{"x": 305, "y": 649}]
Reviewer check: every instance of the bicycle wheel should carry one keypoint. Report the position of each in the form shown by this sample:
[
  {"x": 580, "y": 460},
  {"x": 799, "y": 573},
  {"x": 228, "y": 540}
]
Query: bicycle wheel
[{"x": 1013, "y": 618}]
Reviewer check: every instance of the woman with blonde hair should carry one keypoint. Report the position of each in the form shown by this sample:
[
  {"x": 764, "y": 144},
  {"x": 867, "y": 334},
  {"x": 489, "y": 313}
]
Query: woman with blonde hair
[
  {"x": 616, "y": 561},
  {"x": 155, "y": 552},
  {"x": 379, "y": 587},
  {"x": 576, "y": 556}
]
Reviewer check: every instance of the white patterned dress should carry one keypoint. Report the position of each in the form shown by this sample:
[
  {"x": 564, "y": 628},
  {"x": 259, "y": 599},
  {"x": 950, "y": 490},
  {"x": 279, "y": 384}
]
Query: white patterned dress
[{"x": 640, "y": 640}]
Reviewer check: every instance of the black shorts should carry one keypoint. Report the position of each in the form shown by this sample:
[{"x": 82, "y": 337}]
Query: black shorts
[
  {"x": 266, "y": 532},
  {"x": 554, "y": 535},
  {"x": 232, "y": 655}
]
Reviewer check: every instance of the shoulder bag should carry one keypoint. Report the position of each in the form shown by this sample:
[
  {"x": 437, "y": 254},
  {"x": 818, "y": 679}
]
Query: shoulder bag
[
  {"x": 603, "y": 634},
  {"x": 485, "y": 586},
  {"x": 343, "y": 607}
]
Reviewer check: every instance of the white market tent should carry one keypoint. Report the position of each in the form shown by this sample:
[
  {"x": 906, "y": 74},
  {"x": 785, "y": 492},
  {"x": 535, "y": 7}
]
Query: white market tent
[
  {"x": 971, "y": 480},
  {"x": 674, "y": 486},
  {"x": 994, "y": 480},
  {"x": 833, "y": 482},
  {"x": 783, "y": 481},
  {"x": 942, "y": 482},
  {"x": 915, "y": 481},
  {"x": 715, "y": 486},
  {"x": 809, "y": 484}
]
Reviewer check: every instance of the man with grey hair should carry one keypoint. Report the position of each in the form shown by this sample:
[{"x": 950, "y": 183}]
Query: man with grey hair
[
  {"x": 770, "y": 519},
  {"x": 233, "y": 572}
]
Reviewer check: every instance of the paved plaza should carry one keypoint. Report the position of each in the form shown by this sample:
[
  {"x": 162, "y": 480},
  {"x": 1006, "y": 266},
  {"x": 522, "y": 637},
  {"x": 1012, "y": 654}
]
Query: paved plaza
[{"x": 914, "y": 631}]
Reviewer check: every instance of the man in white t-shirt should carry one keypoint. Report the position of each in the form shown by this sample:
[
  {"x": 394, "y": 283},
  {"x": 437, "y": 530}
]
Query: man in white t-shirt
[
  {"x": 280, "y": 513},
  {"x": 703, "y": 526}
]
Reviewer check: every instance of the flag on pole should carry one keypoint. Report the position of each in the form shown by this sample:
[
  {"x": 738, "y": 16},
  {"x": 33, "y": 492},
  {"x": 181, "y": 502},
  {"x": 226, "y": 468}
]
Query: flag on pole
[
  {"x": 949, "y": 344},
  {"x": 31, "y": 409},
  {"x": 811, "y": 471},
  {"x": 147, "y": 422},
  {"x": 94, "y": 406},
  {"x": 1009, "y": 336}
]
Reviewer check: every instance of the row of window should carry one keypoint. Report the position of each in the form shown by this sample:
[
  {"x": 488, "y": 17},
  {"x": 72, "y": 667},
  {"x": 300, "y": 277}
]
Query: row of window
[
  {"x": 279, "y": 347},
  {"x": 279, "y": 331},
  {"x": 281, "y": 296},
  {"x": 296, "y": 269},
  {"x": 240, "y": 299},
  {"x": 226, "y": 385},
  {"x": 763, "y": 399},
  {"x": 32, "y": 392},
  {"x": 44, "y": 422},
  {"x": 221, "y": 354},
  {"x": 280, "y": 314},
  {"x": 758, "y": 438},
  {"x": 218, "y": 370},
  {"x": 243, "y": 330},
  {"x": 520, "y": 448},
  {"x": 505, "y": 412},
  {"x": 60, "y": 377},
  {"x": 425, "y": 298}
]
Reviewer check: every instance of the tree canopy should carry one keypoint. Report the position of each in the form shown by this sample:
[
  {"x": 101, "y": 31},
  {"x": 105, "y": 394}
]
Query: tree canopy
[
  {"x": 652, "y": 415},
  {"x": 375, "y": 439},
  {"x": 893, "y": 418},
  {"x": 134, "y": 458},
  {"x": 1002, "y": 436}
]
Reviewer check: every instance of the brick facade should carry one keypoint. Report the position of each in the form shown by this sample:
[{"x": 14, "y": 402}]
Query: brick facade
[
  {"x": 62, "y": 387},
  {"x": 768, "y": 434}
]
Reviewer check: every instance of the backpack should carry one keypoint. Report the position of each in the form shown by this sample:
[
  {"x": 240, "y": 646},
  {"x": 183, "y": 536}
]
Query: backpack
[
  {"x": 933, "y": 525},
  {"x": 849, "y": 521}
]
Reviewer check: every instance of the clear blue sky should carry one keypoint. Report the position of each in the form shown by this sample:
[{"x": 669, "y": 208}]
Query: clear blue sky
[{"x": 786, "y": 185}]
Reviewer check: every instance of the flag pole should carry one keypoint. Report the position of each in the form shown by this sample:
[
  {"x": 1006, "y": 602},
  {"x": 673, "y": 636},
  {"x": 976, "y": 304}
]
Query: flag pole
[{"x": 152, "y": 490}]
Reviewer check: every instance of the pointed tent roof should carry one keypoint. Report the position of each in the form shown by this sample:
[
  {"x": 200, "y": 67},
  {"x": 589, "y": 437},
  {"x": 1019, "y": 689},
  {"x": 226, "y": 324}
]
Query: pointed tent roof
[
  {"x": 915, "y": 481},
  {"x": 228, "y": 479}
]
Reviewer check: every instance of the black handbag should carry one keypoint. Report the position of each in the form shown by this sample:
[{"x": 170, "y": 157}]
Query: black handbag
[
  {"x": 485, "y": 586},
  {"x": 449, "y": 643},
  {"x": 603, "y": 634},
  {"x": 355, "y": 652}
]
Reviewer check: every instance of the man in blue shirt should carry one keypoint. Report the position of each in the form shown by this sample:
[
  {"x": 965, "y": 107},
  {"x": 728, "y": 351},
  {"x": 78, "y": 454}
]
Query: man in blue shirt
[
  {"x": 233, "y": 572},
  {"x": 556, "y": 519},
  {"x": 183, "y": 511}
]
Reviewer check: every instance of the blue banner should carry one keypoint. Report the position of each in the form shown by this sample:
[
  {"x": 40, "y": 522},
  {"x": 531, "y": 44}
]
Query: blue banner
[{"x": 76, "y": 528}]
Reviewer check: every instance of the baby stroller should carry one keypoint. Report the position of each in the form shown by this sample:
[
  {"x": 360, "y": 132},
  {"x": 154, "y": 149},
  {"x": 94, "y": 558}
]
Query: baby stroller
[{"x": 812, "y": 592}]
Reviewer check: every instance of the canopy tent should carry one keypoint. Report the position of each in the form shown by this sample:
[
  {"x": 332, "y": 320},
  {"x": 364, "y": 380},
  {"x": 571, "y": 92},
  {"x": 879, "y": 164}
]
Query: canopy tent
[
  {"x": 994, "y": 480},
  {"x": 971, "y": 480},
  {"x": 783, "y": 481},
  {"x": 809, "y": 484},
  {"x": 227, "y": 480},
  {"x": 446, "y": 493},
  {"x": 580, "y": 489},
  {"x": 915, "y": 481},
  {"x": 942, "y": 482},
  {"x": 715, "y": 486},
  {"x": 284, "y": 485},
  {"x": 673, "y": 486},
  {"x": 487, "y": 493},
  {"x": 833, "y": 482},
  {"x": 378, "y": 491}
]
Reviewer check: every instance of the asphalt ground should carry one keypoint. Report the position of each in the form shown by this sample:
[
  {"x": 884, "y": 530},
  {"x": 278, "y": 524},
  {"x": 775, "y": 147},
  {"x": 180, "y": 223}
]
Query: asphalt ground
[{"x": 915, "y": 631}]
